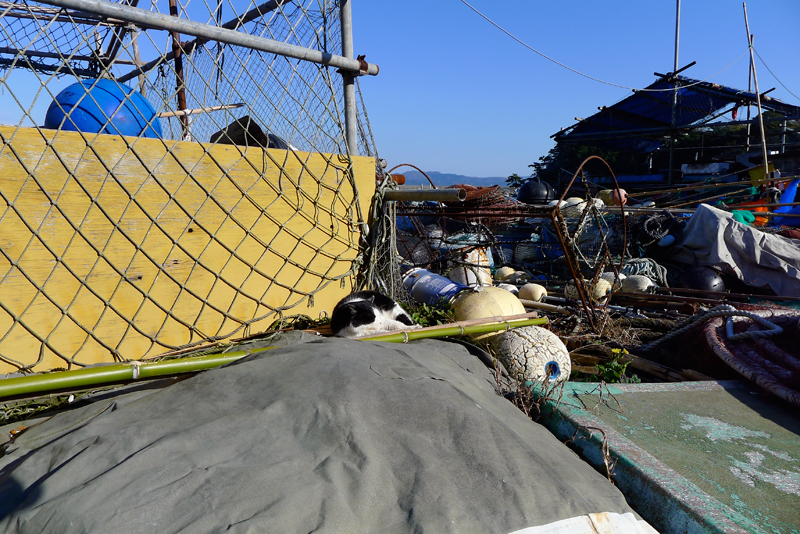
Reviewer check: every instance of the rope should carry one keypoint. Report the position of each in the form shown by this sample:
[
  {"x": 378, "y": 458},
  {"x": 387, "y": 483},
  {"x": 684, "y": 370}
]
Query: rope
[{"x": 724, "y": 310}]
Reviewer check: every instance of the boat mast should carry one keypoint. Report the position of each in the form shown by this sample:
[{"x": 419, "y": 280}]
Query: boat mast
[
  {"x": 758, "y": 96},
  {"x": 675, "y": 87}
]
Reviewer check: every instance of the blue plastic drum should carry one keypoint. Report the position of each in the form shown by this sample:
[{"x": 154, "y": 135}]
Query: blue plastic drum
[
  {"x": 103, "y": 106},
  {"x": 789, "y": 196}
]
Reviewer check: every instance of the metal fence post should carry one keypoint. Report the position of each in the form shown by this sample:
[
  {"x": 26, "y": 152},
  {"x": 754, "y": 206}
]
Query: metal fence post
[{"x": 346, "y": 20}]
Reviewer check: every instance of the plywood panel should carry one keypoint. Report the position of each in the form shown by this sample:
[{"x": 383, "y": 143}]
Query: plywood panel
[{"x": 125, "y": 247}]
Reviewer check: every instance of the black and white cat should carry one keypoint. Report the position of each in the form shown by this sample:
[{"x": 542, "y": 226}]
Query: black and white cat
[{"x": 368, "y": 312}]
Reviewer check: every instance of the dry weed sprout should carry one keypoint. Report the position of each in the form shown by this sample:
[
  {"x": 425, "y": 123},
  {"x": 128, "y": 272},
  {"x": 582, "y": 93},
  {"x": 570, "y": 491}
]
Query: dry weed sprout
[
  {"x": 609, "y": 462},
  {"x": 529, "y": 396}
]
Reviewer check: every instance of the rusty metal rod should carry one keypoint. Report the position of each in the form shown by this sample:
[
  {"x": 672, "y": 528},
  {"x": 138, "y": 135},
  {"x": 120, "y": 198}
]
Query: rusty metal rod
[{"x": 436, "y": 195}]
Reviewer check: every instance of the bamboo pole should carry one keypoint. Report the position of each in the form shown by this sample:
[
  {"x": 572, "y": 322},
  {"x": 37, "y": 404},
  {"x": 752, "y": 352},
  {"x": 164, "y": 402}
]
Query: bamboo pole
[
  {"x": 39, "y": 384},
  {"x": 104, "y": 375},
  {"x": 715, "y": 197},
  {"x": 758, "y": 95},
  {"x": 712, "y": 186},
  {"x": 195, "y": 111},
  {"x": 460, "y": 328}
]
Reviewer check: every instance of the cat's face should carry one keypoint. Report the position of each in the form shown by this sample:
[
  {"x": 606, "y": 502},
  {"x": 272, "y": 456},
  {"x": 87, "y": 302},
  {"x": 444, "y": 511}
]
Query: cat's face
[{"x": 361, "y": 313}]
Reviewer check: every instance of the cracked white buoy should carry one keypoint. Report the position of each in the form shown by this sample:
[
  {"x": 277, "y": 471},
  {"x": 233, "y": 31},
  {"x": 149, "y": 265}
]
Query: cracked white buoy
[{"x": 534, "y": 352}]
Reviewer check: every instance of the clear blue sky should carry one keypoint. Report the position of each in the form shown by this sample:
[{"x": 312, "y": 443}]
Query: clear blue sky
[{"x": 457, "y": 95}]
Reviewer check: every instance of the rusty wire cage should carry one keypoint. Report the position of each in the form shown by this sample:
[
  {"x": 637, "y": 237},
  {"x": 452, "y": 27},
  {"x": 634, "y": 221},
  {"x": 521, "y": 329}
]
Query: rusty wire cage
[{"x": 173, "y": 173}]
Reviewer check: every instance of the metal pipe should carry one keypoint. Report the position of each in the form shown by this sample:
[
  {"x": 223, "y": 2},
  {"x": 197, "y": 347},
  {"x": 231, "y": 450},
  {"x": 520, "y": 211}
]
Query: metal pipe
[
  {"x": 180, "y": 84},
  {"x": 147, "y": 19},
  {"x": 189, "y": 47},
  {"x": 435, "y": 195},
  {"x": 349, "y": 81}
]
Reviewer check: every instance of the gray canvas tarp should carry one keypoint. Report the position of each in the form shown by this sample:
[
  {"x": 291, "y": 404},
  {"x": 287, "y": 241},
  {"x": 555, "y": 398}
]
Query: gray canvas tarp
[
  {"x": 322, "y": 435},
  {"x": 713, "y": 237}
]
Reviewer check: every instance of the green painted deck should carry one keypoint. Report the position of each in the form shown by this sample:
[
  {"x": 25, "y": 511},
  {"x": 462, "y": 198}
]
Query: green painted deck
[{"x": 692, "y": 456}]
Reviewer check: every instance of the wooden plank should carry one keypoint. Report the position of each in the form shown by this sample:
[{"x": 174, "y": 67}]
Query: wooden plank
[{"x": 133, "y": 239}]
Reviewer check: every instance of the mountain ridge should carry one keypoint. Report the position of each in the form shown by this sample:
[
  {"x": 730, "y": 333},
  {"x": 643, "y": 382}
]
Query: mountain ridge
[{"x": 442, "y": 179}]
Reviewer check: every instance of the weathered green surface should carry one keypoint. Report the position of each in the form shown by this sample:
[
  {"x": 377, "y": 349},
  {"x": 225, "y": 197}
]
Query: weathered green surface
[{"x": 696, "y": 456}]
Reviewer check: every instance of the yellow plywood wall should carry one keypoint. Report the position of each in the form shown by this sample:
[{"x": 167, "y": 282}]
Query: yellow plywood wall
[{"x": 123, "y": 248}]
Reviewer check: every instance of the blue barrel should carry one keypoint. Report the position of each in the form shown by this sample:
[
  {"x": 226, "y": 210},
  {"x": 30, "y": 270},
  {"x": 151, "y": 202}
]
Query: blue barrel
[
  {"x": 789, "y": 196},
  {"x": 103, "y": 106},
  {"x": 431, "y": 288}
]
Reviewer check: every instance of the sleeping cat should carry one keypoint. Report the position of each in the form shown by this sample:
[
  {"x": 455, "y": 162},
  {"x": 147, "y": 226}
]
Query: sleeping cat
[{"x": 368, "y": 312}]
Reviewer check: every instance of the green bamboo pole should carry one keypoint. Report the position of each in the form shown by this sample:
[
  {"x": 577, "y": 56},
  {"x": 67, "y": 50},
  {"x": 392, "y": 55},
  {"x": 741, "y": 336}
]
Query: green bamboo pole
[
  {"x": 39, "y": 384},
  {"x": 454, "y": 330},
  {"x": 110, "y": 374}
]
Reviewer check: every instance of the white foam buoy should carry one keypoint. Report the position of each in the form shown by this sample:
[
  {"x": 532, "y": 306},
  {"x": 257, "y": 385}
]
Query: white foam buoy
[
  {"x": 503, "y": 272},
  {"x": 533, "y": 292},
  {"x": 610, "y": 278},
  {"x": 637, "y": 283},
  {"x": 511, "y": 288},
  {"x": 519, "y": 277},
  {"x": 535, "y": 353},
  {"x": 598, "y": 292},
  {"x": 573, "y": 207},
  {"x": 476, "y": 273},
  {"x": 488, "y": 302}
]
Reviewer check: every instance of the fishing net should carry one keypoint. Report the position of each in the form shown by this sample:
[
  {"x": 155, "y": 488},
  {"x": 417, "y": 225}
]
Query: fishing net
[{"x": 230, "y": 199}]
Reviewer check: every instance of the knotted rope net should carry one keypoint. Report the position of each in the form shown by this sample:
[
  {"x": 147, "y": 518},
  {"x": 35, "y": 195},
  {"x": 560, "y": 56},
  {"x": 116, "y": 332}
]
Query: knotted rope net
[{"x": 233, "y": 201}]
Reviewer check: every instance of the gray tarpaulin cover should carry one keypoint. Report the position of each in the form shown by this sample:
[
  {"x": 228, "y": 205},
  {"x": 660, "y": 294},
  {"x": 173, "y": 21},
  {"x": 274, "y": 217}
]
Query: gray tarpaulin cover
[
  {"x": 758, "y": 259},
  {"x": 322, "y": 435}
]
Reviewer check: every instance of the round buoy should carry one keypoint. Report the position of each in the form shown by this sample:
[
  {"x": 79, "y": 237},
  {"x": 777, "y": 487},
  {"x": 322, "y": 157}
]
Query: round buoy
[
  {"x": 702, "y": 278},
  {"x": 533, "y": 292},
  {"x": 535, "y": 353},
  {"x": 601, "y": 290},
  {"x": 103, "y": 106},
  {"x": 503, "y": 272},
  {"x": 488, "y": 302},
  {"x": 573, "y": 207},
  {"x": 598, "y": 292},
  {"x": 637, "y": 283},
  {"x": 469, "y": 276},
  {"x": 571, "y": 291},
  {"x": 519, "y": 277},
  {"x": 511, "y": 288},
  {"x": 612, "y": 279}
]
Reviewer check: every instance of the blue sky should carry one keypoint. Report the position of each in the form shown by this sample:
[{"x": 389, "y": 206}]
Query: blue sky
[{"x": 457, "y": 95}]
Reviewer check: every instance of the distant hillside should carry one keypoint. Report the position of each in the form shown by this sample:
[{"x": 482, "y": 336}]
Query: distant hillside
[{"x": 441, "y": 179}]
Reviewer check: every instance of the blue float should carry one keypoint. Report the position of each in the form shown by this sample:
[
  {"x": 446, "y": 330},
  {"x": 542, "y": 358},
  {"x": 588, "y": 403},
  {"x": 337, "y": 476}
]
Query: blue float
[
  {"x": 103, "y": 106},
  {"x": 789, "y": 195}
]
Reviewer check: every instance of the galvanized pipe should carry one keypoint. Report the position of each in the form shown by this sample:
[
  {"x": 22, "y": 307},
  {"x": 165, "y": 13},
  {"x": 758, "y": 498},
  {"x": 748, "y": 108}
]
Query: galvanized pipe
[
  {"x": 348, "y": 79},
  {"x": 232, "y": 24},
  {"x": 147, "y": 19},
  {"x": 435, "y": 195}
]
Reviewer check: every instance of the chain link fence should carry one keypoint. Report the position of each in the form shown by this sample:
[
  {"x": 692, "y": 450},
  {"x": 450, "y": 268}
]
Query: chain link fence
[{"x": 157, "y": 192}]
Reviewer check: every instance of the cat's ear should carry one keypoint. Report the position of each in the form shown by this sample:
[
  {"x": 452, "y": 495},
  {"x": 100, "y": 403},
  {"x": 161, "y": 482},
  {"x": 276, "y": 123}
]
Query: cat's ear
[{"x": 371, "y": 299}]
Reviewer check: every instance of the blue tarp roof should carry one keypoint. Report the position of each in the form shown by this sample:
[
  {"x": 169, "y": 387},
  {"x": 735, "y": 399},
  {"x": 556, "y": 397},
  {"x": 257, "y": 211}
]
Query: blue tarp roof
[{"x": 642, "y": 121}]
